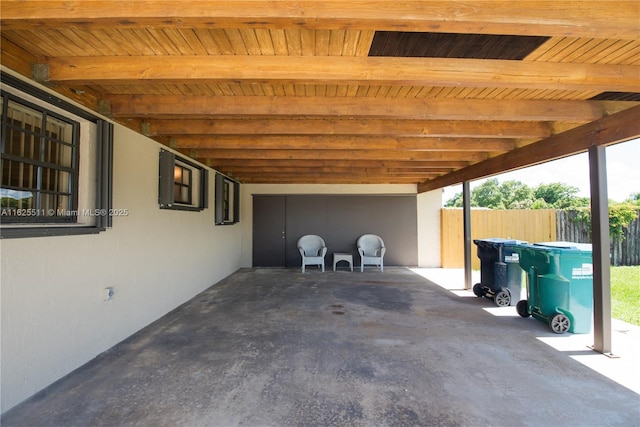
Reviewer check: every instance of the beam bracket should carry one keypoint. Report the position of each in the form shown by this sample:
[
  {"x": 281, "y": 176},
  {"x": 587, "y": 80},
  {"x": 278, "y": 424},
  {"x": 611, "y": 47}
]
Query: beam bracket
[
  {"x": 104, "y": 107},
  {"x": 145, "y": 129},
  {"x": 40, "y": 72}
]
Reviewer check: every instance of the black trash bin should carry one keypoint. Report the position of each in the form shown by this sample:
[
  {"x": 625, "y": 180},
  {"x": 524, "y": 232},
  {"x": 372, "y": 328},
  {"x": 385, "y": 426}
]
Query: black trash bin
[{"x": 500, "y": 273}]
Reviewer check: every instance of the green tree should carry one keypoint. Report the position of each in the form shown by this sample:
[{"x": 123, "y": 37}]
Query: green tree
[
  {"x": 634, "y": 199},
  {"x": 454, "y": 202},
  {"x": 488, "y": 195},
  {"x": 516, "y": 195},
  {"x": 557, "y": 195}
]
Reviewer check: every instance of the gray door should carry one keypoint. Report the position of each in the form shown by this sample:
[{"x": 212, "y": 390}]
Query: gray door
[
  {"x": 279, "y": 221},
  {"x": 305, "y": 215},
  {"x": 269, "y": 238}
]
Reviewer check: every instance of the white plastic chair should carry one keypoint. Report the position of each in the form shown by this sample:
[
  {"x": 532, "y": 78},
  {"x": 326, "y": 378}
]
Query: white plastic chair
[
  {"x": 312, "y": 249},
  {"x": 371, "y": 249}
]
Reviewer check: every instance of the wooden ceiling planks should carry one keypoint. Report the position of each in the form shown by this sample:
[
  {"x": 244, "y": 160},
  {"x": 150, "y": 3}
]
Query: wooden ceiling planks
[
  {"x": 587, "y": 50},
  {"x": 228, "y": 82}
]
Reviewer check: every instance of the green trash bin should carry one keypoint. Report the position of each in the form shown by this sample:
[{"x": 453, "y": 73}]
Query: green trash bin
[
  {"x": 500, "y": 273},
  {"x": 559, "y": 285}
]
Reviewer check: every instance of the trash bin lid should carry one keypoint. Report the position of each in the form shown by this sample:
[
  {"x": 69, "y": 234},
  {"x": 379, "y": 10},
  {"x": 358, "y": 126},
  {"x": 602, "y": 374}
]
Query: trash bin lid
[
  {"x": 565, "y": 246},
  {"x": 496, "y": 241}
]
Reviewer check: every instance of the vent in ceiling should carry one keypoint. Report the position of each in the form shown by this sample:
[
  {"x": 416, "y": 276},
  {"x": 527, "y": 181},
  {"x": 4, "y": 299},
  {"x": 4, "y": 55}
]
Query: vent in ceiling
[
  {"x": 446, "y": 45},
  {"x": 617, "y": 96}
]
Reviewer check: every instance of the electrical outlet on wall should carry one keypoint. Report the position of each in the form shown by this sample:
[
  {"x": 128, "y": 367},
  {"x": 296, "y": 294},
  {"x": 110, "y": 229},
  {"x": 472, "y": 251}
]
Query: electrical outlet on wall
[{"x": 108, "y": 293}]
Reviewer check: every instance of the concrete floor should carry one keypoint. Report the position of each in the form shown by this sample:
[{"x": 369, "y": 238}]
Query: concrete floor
[{"x": 275, "y": 347}]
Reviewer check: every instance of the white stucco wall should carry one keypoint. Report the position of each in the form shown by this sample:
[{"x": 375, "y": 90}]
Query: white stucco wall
[
  {"x": 54, "y": 317},
  {"x": 428, "y": 205},
  {"x": 53, "y": 314}
]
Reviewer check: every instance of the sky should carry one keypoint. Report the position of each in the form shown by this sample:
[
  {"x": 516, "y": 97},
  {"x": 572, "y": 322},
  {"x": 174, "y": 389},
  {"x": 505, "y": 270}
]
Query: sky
[{"x": 623, "y": 173}]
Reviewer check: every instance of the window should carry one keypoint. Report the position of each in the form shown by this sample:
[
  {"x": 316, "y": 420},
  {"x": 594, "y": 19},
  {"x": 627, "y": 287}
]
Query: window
[
  {"x": 182, "y": 184},
  {"x": 45, "y": 189},
  {"x": 39, "y": 164},
  {"x": 227, "y": 200}
]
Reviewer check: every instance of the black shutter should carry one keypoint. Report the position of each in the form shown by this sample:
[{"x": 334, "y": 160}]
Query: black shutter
[
  {"x": 165, "y": 179},
  {"x": 219, "y": 199},
  {"x": 104, "y": 173}
]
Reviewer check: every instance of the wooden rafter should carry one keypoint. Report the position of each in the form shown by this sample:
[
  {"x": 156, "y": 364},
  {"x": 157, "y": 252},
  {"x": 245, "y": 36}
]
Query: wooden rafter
[
  {"x": 438, "y": 165},
  {"x": 609, "y": 19},
  {"x": 427, "y": 173},
  {"x": 324, "y": 106},
  {"x": 339, "y": 142},
  {"x": 132, "y": 70},
  {"x": 378, "y": 127},
  {"x": 340, "y": 154}
]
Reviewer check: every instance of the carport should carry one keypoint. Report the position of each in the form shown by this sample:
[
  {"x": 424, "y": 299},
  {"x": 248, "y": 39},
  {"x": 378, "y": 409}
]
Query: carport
[
  {"x": 278, "y": 347},
  {"x": 227, "y": 101}
]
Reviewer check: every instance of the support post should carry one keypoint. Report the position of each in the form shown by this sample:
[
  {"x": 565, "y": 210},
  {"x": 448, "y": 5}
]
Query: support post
[
  {"x": 600, "y": 250},
  {"x": 466, "y": 219}
]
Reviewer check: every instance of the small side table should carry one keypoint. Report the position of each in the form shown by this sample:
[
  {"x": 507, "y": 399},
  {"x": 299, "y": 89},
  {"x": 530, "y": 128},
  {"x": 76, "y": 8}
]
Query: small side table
[{"x": 337, "y": 257}]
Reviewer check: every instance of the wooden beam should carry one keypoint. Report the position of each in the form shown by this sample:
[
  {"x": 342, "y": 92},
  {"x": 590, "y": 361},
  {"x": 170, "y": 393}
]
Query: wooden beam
[
  {"x": 378, "y": 127},
  {"x": 622, "y": 126},
  {"x": 335, "y": 179},
  {"x": 344, "y": 173},
  {"x": 485, "y": 73},
  {"x": 311, "y": 163},
  {"x": 406, "y": 108},
  {"x": 356, "y": 155},
  {"x": 16, "y": 58},
  {"x": 354, "y": 170},
  {"x": 601, "y": 19},
  {"x": 327, "y": 179},
  {"x": 339, "y": 142}
]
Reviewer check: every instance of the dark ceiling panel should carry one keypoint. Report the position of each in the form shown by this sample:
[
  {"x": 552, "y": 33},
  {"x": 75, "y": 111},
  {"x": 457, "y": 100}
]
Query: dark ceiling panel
[
  {"x": 448, "y": 45},
  {"x": 617, "y": 96}
]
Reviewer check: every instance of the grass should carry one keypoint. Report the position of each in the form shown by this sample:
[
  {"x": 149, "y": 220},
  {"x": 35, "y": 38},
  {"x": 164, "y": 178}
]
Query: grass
[{"x": 625, "y": 294}]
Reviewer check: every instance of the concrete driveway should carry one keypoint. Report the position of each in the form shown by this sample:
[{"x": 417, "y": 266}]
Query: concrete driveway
[{"x": 275, "y": 347}]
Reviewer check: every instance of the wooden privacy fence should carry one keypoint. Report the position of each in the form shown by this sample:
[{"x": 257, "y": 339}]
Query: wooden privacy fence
[
  {"x": 528, "y": 225},
  {"x": 625, "y": 250},
  {"x": 532, "y": 226}
]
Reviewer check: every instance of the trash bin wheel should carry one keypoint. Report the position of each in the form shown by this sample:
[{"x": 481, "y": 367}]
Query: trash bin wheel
[
  {"x": 522, "y": 307},
  {"x": 502, "y": 298},
  {"x": 477, "y": 290},
  {"x": 559, "y": 323}
]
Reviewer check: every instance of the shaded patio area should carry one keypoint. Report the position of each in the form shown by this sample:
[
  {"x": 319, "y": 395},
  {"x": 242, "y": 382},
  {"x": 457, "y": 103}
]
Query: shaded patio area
[{"x": 277, "y": 347}]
